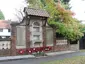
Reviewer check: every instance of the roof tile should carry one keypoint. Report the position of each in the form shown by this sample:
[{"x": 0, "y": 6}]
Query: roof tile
[
  {"x": 4, "y": 24},
  {"x": 36, "y": 12}
]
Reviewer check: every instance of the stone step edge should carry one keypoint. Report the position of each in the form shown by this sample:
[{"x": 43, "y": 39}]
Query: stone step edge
[{"x": 16, "y": 57}]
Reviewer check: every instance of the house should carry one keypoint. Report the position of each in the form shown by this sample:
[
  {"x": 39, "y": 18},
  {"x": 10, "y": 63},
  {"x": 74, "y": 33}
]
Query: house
[
  {"x": 5, "y": 31},
  {"x": 5, "y": 34},
  {"x": 34, "y": 34}
]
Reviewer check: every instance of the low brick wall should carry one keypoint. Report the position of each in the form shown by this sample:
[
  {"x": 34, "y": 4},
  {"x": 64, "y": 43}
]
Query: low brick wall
[
  {"x": 5, "y": 52},
  {"x": 5, "y": 48},
  {"x": 61, "y": 47}
]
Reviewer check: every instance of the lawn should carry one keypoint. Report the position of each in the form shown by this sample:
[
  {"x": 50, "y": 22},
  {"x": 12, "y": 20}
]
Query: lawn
[
  {"x": 74, "y": 60},
  {"x": 82, "y": 50}
]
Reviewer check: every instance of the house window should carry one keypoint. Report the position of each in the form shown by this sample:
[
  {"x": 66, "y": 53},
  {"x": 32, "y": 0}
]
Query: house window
[
  {"x": 9, "y": 30},
  {"x": 1, "y": 30},
  {"x": 3, "y": 37},
  {"x": 36, "y": 37}
]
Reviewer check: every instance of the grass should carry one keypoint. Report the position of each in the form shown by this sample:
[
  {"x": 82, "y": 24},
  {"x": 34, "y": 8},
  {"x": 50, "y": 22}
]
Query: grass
[
  {"x": 74, "y": 60},
  {"x": 82, "y": 50}
]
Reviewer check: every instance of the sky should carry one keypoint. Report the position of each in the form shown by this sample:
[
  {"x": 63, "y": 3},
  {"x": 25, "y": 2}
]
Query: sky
[
  {"x": 78, "y": 7},
  {"x": 8, "y": 7}
]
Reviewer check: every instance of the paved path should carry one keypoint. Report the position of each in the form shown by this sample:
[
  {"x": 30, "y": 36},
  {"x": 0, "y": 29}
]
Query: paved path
[{"x": 43, "y": 59}]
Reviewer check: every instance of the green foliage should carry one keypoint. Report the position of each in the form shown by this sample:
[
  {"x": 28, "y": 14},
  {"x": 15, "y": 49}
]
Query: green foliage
[
  {"x": 40, "y": 3},
  {"x": 34, "y": 3},
  {"x": 65, "y": 3},
  {"x": 39, "y": 53},
  {"x": 61, "y": 19},
  {"x": 82, "y": 28},
  {"x": 1, "y": 16}
]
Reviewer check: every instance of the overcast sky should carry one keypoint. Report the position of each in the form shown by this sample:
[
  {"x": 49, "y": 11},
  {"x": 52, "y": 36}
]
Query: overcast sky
[
  {"x": 8, "y": 8},
  {"x": 78, "y": 6}
]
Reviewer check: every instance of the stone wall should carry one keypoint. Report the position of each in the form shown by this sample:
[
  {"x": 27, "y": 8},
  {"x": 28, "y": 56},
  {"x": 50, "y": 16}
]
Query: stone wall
[
  {"x": 49, "y": 36},
  {"x": 61, "y": 45},
  {"x": 20, "y": 38},
  {"x": 61, "y": 48},
  {"x": 74, "y": 47}
]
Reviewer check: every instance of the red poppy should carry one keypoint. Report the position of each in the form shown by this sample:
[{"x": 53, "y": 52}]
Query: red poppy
[
  {"x": 29, "y": 51},
  {"x": 21, "y": 51},
  {"x": 48, "y": 48}
]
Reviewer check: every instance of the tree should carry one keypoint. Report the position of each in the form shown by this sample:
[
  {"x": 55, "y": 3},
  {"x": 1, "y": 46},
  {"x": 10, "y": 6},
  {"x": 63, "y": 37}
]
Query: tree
[
  {"x": 19, "y": 15},
  {"x": 38, "y": 3},
  {"x": 34, "y": 3},
  {"x": 65, "y": 3},
  {"x": 1, "y": 15},
  {"x": 62, "y": 20}
]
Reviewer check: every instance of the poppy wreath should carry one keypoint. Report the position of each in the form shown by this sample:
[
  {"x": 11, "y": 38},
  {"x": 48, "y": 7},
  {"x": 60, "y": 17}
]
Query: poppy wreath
[
  {"x": 48, "y": 48},
  {"x": 21, "y": 51},
  {"x": 29, "y": 51}
]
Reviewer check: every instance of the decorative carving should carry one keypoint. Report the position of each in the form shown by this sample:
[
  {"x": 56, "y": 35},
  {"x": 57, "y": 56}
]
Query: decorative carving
[{"x": 27, "y": 20}]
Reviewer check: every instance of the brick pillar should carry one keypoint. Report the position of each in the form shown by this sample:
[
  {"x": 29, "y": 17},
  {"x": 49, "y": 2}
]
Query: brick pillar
[
  {"x": 13, "y": 40},
  {"x": 27, "y": 37},
  {"x": 54, "y": 39},
  {"x": 44, "y": 20},
  {"x": 44, "y": 36}
]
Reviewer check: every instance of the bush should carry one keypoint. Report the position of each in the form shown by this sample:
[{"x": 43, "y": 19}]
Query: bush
[{"x": 39, "y": 53}]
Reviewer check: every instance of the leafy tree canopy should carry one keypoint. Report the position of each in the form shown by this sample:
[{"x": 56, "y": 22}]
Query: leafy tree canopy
[
  {"x": 1, "y": 15},
  {"x": 65, "y": 3},
  {"x": 61, "y": 19},
  {"x": 64, "y": 22}
]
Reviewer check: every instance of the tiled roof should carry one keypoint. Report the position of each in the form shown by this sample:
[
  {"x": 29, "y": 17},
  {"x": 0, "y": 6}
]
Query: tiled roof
[
  {"x": 36, "y": 12},
  {"x": 4, "y": 24}
]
